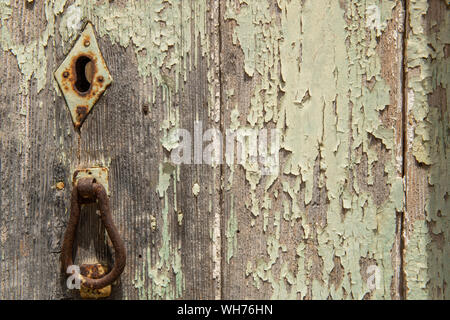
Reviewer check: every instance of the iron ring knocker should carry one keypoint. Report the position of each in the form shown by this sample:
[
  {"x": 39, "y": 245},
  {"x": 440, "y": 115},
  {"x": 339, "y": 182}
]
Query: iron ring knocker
[{"x": 88, "y": 191}]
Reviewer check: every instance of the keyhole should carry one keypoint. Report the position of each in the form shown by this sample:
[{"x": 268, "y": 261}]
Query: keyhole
[{"x": 83, "y": 67}]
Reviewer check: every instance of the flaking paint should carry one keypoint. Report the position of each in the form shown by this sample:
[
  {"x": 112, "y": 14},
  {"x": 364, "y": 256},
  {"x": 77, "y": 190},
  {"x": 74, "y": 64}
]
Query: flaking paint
[
  {"x": 318, "y": 55},
  {"x": 319, "y": 64},
  {"x": 426, "y": 257}
]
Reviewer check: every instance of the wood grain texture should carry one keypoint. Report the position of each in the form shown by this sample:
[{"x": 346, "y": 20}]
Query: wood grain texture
[
  {"x": 426, "y": 233},
  {"x": 358, "y": 208},
  {"x": 167, "y": 230},
  {"x": 35, "y": 155},
  {"x": 327, "y": 74}
]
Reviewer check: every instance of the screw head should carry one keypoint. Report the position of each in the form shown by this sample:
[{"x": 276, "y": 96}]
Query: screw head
[
  {"x": 87, "y": 43},
  {"x": 65, "y": 74},
  {"x": 100, "y": 79}
]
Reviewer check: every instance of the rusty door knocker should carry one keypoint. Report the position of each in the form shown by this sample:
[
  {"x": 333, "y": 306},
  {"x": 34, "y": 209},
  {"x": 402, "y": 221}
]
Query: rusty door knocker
[{"x": 86, "y": 191}]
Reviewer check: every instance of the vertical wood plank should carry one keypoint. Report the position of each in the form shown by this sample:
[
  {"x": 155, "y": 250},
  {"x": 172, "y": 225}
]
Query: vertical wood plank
[
  {"x": 163, "y": 58},
  {"x": 166, "y": 227},
  {"x": 327, "y": 75},
  {"x": 37, "y": 145},
  {"x": 426, "y": 232}
]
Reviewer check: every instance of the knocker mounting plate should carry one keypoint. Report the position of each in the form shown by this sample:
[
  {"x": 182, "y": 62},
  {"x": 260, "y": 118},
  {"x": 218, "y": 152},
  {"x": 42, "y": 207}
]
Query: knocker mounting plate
[{"x": 100, "y": 174}]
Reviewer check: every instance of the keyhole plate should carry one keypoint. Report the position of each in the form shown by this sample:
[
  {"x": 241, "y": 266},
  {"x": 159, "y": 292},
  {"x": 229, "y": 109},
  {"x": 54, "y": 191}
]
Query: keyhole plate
[{"x": 83, "y": 76}]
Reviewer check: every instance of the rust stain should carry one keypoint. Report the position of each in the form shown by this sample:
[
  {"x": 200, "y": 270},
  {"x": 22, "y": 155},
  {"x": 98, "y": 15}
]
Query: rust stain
[
  {"x": 82, "y": 112},
  {"x": 94, "y": 271},
  {"x": 23, "y": 249},
  {"x": 60, "y": 185}
]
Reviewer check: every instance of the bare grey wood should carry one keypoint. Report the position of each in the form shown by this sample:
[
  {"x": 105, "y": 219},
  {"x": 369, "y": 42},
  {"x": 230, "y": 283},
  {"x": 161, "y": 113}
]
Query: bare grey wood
[{"x": 168, "y": 238}]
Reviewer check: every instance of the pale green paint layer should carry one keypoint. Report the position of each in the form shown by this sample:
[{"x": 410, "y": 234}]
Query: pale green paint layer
[
  {"x": 31, "y": 56},
  {"x": 231, "y": 230},
  {"x": 427, "y": 254},
  {"x": 318, "y": 55}
]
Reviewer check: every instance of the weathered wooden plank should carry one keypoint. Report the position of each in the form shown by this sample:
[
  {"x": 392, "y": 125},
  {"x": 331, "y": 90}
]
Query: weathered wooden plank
[
  {"x": 36, "y": 148},
  {"x": 327, "y": 75},
  {"x": 426, "y": 233},
  {"x": 163, "y": 58},
  {"x": 147, "y": 188}
]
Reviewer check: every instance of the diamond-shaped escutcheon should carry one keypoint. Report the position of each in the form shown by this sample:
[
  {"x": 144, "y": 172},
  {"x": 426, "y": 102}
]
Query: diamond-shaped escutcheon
[{"x": 83, "y": 76}]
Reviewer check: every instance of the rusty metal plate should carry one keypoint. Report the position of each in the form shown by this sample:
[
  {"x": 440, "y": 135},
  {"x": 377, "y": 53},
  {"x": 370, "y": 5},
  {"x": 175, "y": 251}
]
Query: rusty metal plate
[
  {"x": 100, "y": 174},
  {"x": 94, "y": 271},
  {"x": 83, "y": 76},
  {"x": 97, "y": 270}
]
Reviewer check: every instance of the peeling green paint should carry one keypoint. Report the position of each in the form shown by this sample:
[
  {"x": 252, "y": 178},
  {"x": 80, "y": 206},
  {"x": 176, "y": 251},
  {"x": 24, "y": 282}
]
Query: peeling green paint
[
  {"x": 427, "y": 267},
  {"x": 322, "y": 53},
  {"x": 231, "y": 231},
  {"x": 195, "y": 189},
  {"x": 158, "y": 31},
  {"x": 31, "y": 56}
]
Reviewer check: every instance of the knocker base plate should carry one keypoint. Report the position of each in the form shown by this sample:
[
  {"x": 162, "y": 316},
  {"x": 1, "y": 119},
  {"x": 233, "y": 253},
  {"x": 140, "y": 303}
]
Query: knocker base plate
[
  {"x": 94, "y": 271},
  {"x": 100, "y": 174}
]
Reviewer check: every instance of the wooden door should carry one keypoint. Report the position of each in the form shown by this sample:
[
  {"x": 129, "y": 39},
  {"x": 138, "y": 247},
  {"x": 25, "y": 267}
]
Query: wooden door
[{"x": 354, "y": 92}]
